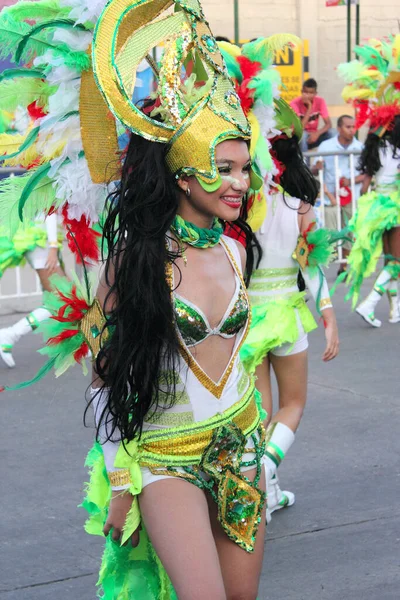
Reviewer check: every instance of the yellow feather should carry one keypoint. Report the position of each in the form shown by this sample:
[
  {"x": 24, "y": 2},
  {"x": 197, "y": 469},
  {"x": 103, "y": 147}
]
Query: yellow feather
[
  {"x": 258, "y": 211},
  {"x": 10, "y": 143},
  {"x": 280, "y": 40},
  {"x": 25, "y": 158},
  {"x": 231, "y": 49}
]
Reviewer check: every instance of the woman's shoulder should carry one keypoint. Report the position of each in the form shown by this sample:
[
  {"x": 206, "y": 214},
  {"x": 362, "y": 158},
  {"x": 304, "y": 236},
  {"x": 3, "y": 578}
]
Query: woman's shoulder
[
  {"x": 237, "y": 249},
  {"x": 290, "y": 202}
]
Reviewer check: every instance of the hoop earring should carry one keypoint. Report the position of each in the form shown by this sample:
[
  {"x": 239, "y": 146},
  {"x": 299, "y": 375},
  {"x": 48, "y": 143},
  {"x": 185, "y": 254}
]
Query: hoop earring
[{"x": 188, "y": 192}]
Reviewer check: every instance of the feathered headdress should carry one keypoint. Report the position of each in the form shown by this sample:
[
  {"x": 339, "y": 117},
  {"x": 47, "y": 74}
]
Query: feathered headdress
[
  {"x": 257, "y": 82},
  {"x": 373, "y": 83}
]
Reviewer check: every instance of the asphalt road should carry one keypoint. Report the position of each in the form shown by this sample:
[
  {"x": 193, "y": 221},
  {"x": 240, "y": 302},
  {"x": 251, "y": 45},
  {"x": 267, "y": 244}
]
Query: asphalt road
[{"x": 340, "y": 541}]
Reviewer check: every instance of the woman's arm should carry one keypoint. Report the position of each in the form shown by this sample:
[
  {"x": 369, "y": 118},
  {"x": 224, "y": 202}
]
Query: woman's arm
[
  {"x": 319, "y": 289},
  {"x": 121, "y": 499},
  {"x": 365, "y": 184}
]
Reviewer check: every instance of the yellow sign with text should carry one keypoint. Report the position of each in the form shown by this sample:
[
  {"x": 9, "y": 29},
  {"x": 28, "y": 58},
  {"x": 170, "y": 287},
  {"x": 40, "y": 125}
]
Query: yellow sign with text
[{"x": 293, "y": 66}]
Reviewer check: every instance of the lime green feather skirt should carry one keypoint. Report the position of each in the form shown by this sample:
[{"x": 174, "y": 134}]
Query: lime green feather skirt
[
  {"x": 275, "y": 323},
  {"x": 376, "y": 213}
]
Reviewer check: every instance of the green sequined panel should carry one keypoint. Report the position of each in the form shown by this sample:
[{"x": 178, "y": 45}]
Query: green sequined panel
[
  {"x": 238, "y": 315},
  {"x": 190, "y": 324}
]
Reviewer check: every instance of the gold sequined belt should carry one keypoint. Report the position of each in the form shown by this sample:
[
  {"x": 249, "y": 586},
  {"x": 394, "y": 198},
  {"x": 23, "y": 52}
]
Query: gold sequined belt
[{"x": 170, "y": 447}]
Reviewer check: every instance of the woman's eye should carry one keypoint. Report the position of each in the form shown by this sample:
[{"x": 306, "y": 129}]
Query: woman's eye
[
  {"x": 247, "y": 168},
  {"x": 224, "y": 170}
]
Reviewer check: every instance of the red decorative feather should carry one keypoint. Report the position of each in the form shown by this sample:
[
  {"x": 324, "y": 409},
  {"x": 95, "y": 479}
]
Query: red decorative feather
[
  {"x": 64, "y": 335},
  {"x": 35, "y": 111},
  {"x": 81, "y": 238},
  {"x": 81, "y": 353}
]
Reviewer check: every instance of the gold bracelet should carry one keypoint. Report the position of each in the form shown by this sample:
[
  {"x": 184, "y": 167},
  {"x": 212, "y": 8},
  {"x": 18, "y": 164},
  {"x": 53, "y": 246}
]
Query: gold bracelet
[
  {"x": 325, "y": 302},
  {"x": 118, "y": 478},
  {"x": 53, "y": 245}
]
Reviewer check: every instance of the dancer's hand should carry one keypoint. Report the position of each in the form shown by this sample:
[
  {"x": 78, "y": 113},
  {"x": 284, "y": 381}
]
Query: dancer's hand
[
  {"x": 331, "y": 335},
  {"x": 52, "y": 260},
  {"x": 121, "y": 502}
]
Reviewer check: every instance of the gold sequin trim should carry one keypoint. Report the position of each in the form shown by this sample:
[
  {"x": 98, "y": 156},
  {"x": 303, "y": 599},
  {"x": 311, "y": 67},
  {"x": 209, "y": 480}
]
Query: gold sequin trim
[
  {"x": 118, "y": 478},
  {"x": 192, "y": 445},
  {"x": 92, "y": 326},
  {"x": 170, "y": 473}
]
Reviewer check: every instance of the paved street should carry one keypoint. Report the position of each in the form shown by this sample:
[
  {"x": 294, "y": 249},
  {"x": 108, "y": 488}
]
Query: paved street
[{"x": 341, "y": 540}]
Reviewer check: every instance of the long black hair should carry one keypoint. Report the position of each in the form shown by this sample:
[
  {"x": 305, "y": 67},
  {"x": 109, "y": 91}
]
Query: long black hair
[
  {"x": 296, "y": 178},
  {"x": 370, "y": 161},
  {"x": 143, "y": 342}
]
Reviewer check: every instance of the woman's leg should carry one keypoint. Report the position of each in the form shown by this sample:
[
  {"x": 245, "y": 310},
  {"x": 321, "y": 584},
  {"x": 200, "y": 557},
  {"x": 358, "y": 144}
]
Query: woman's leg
[
  {"x": 393, "y": 248},
  {"x": 44, "y": 277},
  {"x": 241, "y": 570},
  {"x": 291, "y": 375},
  {"x": 263, "y": 384},
  {"x": 176, "y": 517},
  {"x": 391, "y": 245}
]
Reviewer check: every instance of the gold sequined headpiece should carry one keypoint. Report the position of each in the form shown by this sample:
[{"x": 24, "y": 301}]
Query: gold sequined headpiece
[{"x": 195, "y": 117}]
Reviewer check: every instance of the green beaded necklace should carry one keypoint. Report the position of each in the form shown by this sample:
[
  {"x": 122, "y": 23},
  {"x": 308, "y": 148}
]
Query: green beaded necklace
[{"x": 189, "y": 233}]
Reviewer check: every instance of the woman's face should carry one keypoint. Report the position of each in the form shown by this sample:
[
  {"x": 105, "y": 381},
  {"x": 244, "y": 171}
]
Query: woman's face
[{"x": 200, "y": 207}]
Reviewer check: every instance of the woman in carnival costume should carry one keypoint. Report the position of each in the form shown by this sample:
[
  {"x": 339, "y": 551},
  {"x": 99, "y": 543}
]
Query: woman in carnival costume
[
  {"x": 38, "y": 245},
  {"x": 180, "y": 444},
  {"x": 374, "y": 90},
  {"x": 44, "y": 87},
  {"x": 290, "y": 243}
]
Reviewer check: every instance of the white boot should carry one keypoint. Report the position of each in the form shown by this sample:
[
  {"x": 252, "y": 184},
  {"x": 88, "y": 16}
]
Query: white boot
[
  {"x": 10, "y": 335},
  {"x": 279, "y": 439},
  {"x": 392, "y": 292},
  {"x": 366, "y": 309},
  {"x": 276, "y": 498}
]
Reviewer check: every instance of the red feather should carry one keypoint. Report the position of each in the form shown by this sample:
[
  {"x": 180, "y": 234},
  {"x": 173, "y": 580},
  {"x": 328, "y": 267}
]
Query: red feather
[
  {"x": 35, "y": 111},
  {"x": 383, "y": 116},
  {"x": 64, "y": 335},
  {"x": 81, "y": 238},
  {"x": 249, "y": 68},
  {"x": 81, "y": 353},
  {"x": 363, "y": 112}
]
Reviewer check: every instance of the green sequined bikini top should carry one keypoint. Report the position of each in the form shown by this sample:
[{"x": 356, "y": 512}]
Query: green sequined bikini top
[{"x": 193, "y": 324}]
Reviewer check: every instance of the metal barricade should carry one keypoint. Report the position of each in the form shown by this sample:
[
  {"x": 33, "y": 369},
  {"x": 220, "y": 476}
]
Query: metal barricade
[{"x": 320, "y": 207}]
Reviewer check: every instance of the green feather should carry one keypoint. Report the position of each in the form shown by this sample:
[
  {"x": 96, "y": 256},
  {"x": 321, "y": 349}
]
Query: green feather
[
  {"x": 35, "y": 11},
  {"x": 30, "y": 139},
  {"x": 23, "y": 91},
  {"x": 22, "y": 72},
  {"x": 232, "y": 65},
  {"x": 35, "y": 31},
  {"x": 39, "y": 375},
  {"x": 32, "y": 183},
  {"x": 14, "y": 38},
  {"x": 41, "y": 199},
  {"x": 286, "y": 119},
  {"x": 263, "y": 87}
]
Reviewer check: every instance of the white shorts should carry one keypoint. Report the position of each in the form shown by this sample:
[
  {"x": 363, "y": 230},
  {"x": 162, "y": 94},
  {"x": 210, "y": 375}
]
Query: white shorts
[
  {"x": 37, "y": 258},
  {"x": 299, "y": 345}
]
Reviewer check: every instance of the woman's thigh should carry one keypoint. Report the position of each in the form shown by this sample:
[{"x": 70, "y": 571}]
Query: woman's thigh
[
  {"x": 263, "y": 384},
  {"x": 241, "y": 570},
  {"x": 45, "y": 277},
  {"x": 394, "y": 241},
  {"x": 291, "y": 375},
  {"x": 176, "y": 517}
]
